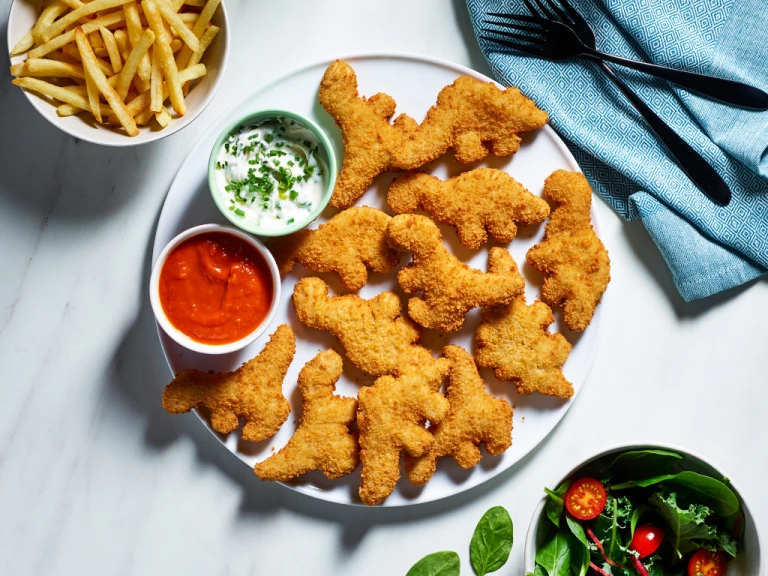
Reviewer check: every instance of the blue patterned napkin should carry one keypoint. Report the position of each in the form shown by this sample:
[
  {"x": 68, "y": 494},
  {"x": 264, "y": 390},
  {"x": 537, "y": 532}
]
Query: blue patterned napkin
[{"x": 708, "y": 248}]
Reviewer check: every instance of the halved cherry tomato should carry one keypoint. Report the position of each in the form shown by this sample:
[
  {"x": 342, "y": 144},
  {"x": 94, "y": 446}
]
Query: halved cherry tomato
[
  {"x": 646, "y": 540},
  {"x": 585, "y": 499},
  {"x": 706, "y": 563}
]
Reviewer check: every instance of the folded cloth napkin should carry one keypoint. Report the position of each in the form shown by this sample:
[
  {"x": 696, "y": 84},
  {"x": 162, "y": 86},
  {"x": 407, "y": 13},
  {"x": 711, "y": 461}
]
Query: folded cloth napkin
[{"x": 707, "y": 247}]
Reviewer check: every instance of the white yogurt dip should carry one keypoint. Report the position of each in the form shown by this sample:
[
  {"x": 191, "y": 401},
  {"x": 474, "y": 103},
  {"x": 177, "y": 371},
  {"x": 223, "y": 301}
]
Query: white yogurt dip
[{"x": 270, "y": 172}]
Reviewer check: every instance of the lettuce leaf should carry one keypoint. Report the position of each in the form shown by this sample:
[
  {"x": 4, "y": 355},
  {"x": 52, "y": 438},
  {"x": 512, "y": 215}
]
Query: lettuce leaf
[{"x": 689, "y": 528}]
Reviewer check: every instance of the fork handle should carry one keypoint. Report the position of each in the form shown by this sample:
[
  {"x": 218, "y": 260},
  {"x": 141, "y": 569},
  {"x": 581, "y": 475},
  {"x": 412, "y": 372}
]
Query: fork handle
[
  {"x": 724, "y": 90},
  {"x": 696, "y": 168}
]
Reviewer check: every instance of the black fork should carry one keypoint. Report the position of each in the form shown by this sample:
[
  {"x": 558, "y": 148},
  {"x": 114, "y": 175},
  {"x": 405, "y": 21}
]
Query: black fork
[{"x": 543, "y": 19}]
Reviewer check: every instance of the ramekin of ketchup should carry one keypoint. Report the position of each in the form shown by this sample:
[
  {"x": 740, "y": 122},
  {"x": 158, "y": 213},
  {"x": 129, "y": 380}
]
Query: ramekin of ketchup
[{"x": 214, "y": 289}]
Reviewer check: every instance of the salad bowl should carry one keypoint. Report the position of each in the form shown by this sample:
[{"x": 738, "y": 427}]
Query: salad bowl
[{"x": 747, "y": 562}]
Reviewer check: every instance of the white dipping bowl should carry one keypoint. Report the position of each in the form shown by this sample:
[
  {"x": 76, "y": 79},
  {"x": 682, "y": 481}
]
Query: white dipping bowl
[
  {"x": 178, "y": 335},
  {"x": 24, "y": 14},
  {"x": 748, "y": 562}
]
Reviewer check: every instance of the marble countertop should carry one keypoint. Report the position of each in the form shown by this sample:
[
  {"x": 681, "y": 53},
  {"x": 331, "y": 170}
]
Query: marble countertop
[{"x": 96, "y": 478}]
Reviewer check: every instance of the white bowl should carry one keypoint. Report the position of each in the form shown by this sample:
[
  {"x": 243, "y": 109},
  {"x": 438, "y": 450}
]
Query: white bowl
[
  {"x": 748, "y": 562},
  {"x": 180, "y": 337},
  {"x": 24, "y": 14}
]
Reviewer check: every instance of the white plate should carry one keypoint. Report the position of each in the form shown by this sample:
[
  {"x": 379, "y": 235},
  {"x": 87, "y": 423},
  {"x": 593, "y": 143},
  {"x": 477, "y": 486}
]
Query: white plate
[{"x": 414, "y": 83}]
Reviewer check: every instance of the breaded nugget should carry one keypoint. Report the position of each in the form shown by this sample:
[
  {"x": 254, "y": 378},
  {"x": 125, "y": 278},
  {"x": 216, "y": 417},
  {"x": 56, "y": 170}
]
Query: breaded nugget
[
  {"x": 348, "y": 244},
  {"x": 470, "y": 116},
  {"x": 323, "y": 440},
  {"x": 451, "y": 288},
  {"x": 392, "y": 415},
  {"x": 515, "y": 342},
  {"x": 253, "y": 392},
  {"x": 571, "y": 257},
  {"x": 373, "y": 333},
  {"x": 474, "y": 417},
  {"x": 473, "y": 202}
]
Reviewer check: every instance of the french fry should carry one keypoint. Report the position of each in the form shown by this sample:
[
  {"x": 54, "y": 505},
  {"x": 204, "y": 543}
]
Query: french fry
[
  {"x": 176, "y": 45},
  {"x": 112, "y": 50},
  {"x": 72, "y": 51},
  {"x": 132, "y": 63},
  {"x": 163, "y": 52},
  {"x": 68, "y": 110},
  {"x": 18, "y": 69},
  {"x": 47, "y": 16},
  {"x": 205, "y": 41},
  {"x": 52, "y": 68},
  {"x": 163, "y": 118},
  {"x": 26, "y": 42},
  {"x": 141, "y": 102},
  {"x": 93, "y": 96},
  {"x": 56, "y": 92},
  {"x": 195, "y": 3},
  {"x": 73, "y": 17},
  {"x": 156, "y": 83},
  {"x": 69, "y": 37},
  {"x": 92, "y": 68},
  {"x": 139, "y": 85},
  {"x": 74, "y": 4},
  {"x": 176, "y": 4},
  {"x": 143, "y": 117},
  {"x": 134, "y": 25},
  {"x": 198, "y": 29},
  {"x": 123, "y": 45},
  {"x": 175, "y": 22},
  {"x": 96, "y": 42}
]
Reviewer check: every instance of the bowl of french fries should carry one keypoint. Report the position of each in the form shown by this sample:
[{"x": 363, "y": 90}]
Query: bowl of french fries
[{"x": 118, "y": 72}]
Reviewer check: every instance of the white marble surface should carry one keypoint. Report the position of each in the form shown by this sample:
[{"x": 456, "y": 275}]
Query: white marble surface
[{"x": 96, "y": 478}]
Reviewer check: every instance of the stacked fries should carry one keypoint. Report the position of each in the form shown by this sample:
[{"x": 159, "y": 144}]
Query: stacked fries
[{"x": 120, "y": 60}]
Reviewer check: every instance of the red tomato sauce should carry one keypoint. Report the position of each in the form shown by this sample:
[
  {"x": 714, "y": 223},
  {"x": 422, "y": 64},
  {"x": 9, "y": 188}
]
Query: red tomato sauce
[{"x": 215, "y": 288}]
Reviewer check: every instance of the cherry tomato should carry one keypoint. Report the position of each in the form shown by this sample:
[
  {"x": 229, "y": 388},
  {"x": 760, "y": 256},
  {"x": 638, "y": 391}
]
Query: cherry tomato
[
  {"x": 646, "y": 540},
  {"x": 706, "y": 563},
  {"x": 585, "y": 499}
]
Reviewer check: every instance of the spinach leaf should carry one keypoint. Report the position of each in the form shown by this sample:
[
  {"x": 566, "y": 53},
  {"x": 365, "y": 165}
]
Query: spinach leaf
[
  {"x": 436, "y": 564},
  {"x": 697, "y": 487},
  {"x": 689, "y": 529},
  {"x": 492, "y": 541},
  {"x": 579, "y": 548},
  {"x": 555, "y": 556},
  {"x": 555, "y": 503},
  {"x": 707, "y": 491},
  {"x": 639, "y": 511},
  {"x": 644, "y": 463}
]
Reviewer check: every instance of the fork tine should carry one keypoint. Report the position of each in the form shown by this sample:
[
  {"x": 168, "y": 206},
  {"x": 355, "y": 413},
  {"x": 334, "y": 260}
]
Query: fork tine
[
  {"x": 520, "y": 17},
  {"x": 521, "y": 27},
  {"x": 547, "y": 13},
  {"x": 514, "y": 45},
  {"x": 559, "y": 11},
  {"x": 531, "y": 39}
]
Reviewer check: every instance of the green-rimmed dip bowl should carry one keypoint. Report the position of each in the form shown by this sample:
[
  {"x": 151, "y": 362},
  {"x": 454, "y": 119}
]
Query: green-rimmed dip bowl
[{"x": 325, "y": 155}]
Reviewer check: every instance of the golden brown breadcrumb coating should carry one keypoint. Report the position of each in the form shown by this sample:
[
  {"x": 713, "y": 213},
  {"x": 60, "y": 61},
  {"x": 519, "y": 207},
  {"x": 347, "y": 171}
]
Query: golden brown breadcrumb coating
[
  {"x": 373, "y": 333},
  {"x": 322, "y": 440},
  {"x": 571, "y": 257},
  {"x": 474, "y": 202},
  {"x": 392, "y": 415},
  {"x": 515, "y": 342},
  {"x": 474, "y": 417},
  {"x": 253, "y": 392},
  {"x": 451, "y": 288},
  {"x": 470, "y": 116},
  {"x": 348, "y": 244}
]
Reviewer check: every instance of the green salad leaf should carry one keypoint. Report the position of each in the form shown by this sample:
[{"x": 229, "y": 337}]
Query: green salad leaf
[
  {"x": 492, "y": 541},
  {"x": 555, "y": 556},
  {"x": 579, "y": 547},
  {"x": 616, "y": 517},
  {"x": 689, "y": 528},
  {"x": 636, "y": 515},
  {"x": 437, "y": 564},
  {"x": 644, "y": 463},
  {"x": 555, "y": 502},
  {"x": 697, "y": 487}
]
